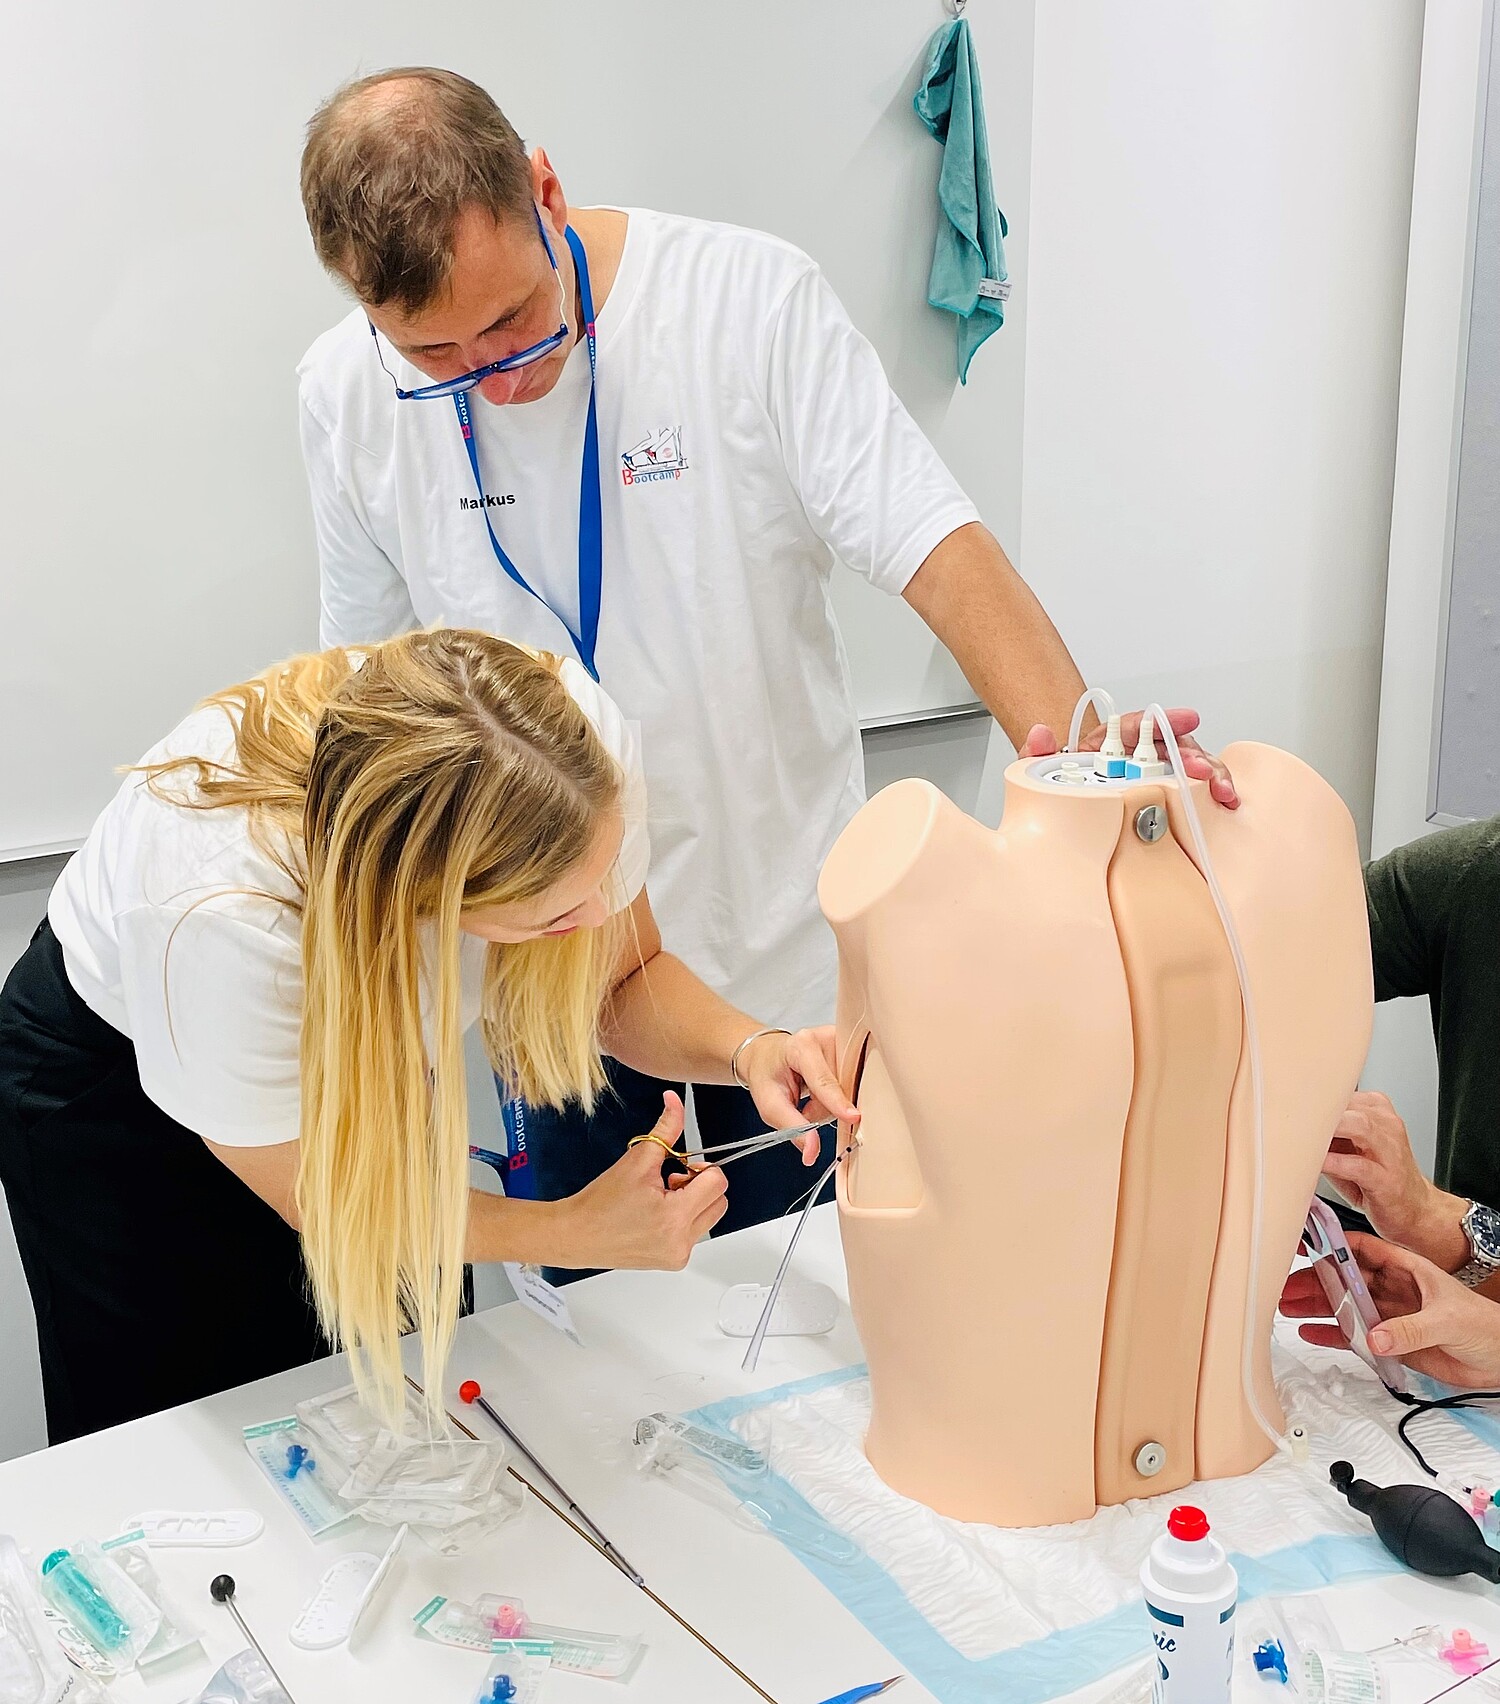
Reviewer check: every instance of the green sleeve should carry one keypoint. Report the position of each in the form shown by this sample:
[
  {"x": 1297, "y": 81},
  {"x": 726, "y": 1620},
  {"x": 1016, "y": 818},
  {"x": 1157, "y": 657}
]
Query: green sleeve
[{"x": 1410, "y": 895}]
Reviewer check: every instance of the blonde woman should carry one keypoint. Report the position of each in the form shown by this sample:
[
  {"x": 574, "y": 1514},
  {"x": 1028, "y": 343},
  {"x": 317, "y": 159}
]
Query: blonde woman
[{"x": 232, "y": 1117}]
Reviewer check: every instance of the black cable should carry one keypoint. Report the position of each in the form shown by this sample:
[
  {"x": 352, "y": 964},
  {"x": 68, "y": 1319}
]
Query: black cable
[{"x": 1418, "y": 1406}]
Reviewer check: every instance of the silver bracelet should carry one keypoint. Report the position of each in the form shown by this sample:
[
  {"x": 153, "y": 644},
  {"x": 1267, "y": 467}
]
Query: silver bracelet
[{"x": 734, "y": 1058}]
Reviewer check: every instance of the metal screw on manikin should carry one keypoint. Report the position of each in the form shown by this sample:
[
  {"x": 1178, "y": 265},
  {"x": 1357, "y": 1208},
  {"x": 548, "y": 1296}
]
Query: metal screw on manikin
[
  {"x": 1151, "y": 824},
  {"x": 1150, "y": 1459}
]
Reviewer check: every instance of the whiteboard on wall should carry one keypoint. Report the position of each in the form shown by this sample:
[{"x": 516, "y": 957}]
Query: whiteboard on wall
[
  {"x": 1464, "y": 782},
  {"x": 158, "y": 539}
]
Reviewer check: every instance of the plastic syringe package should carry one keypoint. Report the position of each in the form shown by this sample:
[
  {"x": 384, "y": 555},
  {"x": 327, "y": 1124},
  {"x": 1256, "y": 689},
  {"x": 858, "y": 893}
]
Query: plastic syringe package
[
  {"x": 607, "y": 1656},
  {"x": 33, "y": 1669},
  {"x": 175, "y": 1633},
  {"x": 499, "y": 1624},
  {"x": 287, "y": 1454},
  {"x": 471, "y": 1626}
]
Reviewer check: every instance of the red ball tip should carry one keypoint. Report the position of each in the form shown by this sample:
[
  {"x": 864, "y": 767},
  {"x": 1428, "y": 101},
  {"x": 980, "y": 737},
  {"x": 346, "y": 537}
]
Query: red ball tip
[
  {"x": 467, "y": 1391},
  {"x": 1188, "y": 1523}
]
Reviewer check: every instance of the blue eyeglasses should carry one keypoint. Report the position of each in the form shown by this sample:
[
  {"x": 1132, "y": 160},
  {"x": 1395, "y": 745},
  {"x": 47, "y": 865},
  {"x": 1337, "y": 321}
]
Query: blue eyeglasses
[{"x": 522, "y": 357}]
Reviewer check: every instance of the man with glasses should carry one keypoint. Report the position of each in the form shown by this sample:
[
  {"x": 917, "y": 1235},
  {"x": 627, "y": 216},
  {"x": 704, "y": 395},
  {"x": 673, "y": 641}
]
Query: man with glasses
[{"x": 643, "y": 440}]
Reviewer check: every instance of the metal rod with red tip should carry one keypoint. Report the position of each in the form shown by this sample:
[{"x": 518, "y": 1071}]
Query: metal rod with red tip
[{"x": 469, "y": 1391}]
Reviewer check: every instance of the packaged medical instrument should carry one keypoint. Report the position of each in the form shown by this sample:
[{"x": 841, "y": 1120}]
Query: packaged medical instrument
[
  {"x": 33, "y": 1669},
  {"x": 1307, "y": 1623},
  {"x": 1191, "y": 1590},
  {"x": 713, "y": 1446},
  {"x": 244, "y": 1679},
  {"x": 752, "y": 1500},
  {"x": 346, "y": 1428},
  {"x": 666, "y": 1459},
  {"x": 451, "y": 1492},
  {"x": 288, "y": 1456},
  {"x": 1099, "y": 1051},
  {"x": 499, "y": 1623},
  {"x": 472, "y": 1626},
  {"x": 606, "y": 1656},
  {"x": 513, "y": 1677},
  {"x": 76, "y": 1648},
  {"x": 408, "y": 1470},
  {"x": 175, "y": 1632},
  {"x": 101, "y": 1601},
  {"x": 1340, "y": 1677}
]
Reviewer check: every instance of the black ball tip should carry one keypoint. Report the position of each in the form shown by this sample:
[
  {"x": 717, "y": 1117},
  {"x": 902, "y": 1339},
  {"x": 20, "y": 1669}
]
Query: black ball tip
[{"x": 221, "y": 1588}]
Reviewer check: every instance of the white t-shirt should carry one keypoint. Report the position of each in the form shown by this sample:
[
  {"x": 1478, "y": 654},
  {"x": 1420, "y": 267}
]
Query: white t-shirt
[
  {"x": 167, "y": 935},
  {"x": 730, "y": 373}
]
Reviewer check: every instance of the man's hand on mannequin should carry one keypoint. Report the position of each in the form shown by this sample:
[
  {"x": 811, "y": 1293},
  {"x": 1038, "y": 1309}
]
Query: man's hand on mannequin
[
  {"x": 1200, "y": 765},
  {"x": 970, "y": 595},
  {"x": 1372, "y": 1163}
]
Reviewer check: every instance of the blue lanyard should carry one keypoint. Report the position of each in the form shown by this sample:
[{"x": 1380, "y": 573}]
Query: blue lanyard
[
  {"x": 590, "y": 500},
  {"x": 513, "y": 1167}
]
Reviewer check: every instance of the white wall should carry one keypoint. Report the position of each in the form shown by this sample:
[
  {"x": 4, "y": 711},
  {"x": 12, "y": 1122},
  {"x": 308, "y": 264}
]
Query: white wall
[
  {"x": 1219, "y": 208},
  {"x": 157, "y": 490},
  {"x": 1402, "y": 1060}
]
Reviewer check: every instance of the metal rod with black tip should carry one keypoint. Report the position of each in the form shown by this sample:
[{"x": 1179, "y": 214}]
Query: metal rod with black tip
[
  {"x": 469, "y": 1391},
  {"x": 221, "y": 1589}
]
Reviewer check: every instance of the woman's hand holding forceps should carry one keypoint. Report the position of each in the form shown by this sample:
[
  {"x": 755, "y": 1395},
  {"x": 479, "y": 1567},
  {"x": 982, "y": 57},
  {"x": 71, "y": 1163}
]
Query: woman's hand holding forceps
[
  {"x": 630, "y": 1217},
  {"x": 793, "y": 1080}
]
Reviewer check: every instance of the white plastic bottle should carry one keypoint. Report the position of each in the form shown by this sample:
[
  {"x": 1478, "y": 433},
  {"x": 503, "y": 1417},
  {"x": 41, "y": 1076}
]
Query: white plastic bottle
[{"x": 1190, "y": 1590}]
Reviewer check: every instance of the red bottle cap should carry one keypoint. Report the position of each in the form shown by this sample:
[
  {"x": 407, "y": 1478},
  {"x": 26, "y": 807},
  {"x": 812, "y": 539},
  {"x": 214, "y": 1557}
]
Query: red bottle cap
[
  {"x": 1188, "y": 1523},
  {"x": 468, "y": 1390}
]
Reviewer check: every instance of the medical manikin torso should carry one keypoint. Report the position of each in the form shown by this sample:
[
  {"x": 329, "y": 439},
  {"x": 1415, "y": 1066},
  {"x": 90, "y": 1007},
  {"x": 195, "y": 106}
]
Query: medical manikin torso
[{"x": 1048, "y": 1218}]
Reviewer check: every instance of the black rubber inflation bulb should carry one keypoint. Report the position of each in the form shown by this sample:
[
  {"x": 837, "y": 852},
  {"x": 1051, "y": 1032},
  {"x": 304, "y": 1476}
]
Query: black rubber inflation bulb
[{"x": 1421, "y": 1527}]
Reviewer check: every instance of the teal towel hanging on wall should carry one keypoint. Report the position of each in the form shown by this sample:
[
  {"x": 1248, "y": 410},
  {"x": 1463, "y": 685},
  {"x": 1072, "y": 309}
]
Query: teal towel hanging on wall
[{"x": 968, "y": 277}]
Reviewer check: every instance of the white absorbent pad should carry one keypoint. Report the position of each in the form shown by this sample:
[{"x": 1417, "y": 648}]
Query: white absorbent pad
[{"x": 981, "y": 1613}]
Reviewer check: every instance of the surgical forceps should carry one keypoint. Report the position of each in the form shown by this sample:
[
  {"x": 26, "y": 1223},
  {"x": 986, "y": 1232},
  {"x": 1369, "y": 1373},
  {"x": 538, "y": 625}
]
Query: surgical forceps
[{"x": 726, "y": 1153}]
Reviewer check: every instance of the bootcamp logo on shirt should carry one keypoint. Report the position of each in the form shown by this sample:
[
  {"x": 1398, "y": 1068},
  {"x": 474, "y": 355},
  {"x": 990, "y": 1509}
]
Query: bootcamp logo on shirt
[{"x": 657, "y": 456}]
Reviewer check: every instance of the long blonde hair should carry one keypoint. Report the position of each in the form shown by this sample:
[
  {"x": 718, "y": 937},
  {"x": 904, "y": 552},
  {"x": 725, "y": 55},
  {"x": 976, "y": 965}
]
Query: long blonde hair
[{"x": 397, "y": 787}]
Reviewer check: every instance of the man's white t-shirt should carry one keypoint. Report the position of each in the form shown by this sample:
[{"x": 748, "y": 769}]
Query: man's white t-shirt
[
  {"x": 747, "y": 438},
  {"x": 178, "y": 928}
]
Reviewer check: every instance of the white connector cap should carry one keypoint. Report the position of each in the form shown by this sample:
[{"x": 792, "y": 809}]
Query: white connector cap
[
  {"x": 1109, "y": 761},
  {"x": 1145, "y": 765}
]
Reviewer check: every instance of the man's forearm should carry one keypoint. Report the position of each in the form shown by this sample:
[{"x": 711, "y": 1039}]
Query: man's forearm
[{"x": 984, "y": 612}]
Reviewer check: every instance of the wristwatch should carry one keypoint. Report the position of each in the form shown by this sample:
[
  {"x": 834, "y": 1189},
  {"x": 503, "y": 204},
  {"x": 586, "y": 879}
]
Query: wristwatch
[{"x": 1482, "y": 1228}]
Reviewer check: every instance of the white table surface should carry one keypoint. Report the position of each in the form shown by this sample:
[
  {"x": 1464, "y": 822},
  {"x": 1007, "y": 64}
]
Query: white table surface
[{"x": 650, "y": 1343}]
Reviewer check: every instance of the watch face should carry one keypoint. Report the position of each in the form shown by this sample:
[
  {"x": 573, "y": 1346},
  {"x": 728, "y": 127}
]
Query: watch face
[{"x": 1483, "y": 1224}]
